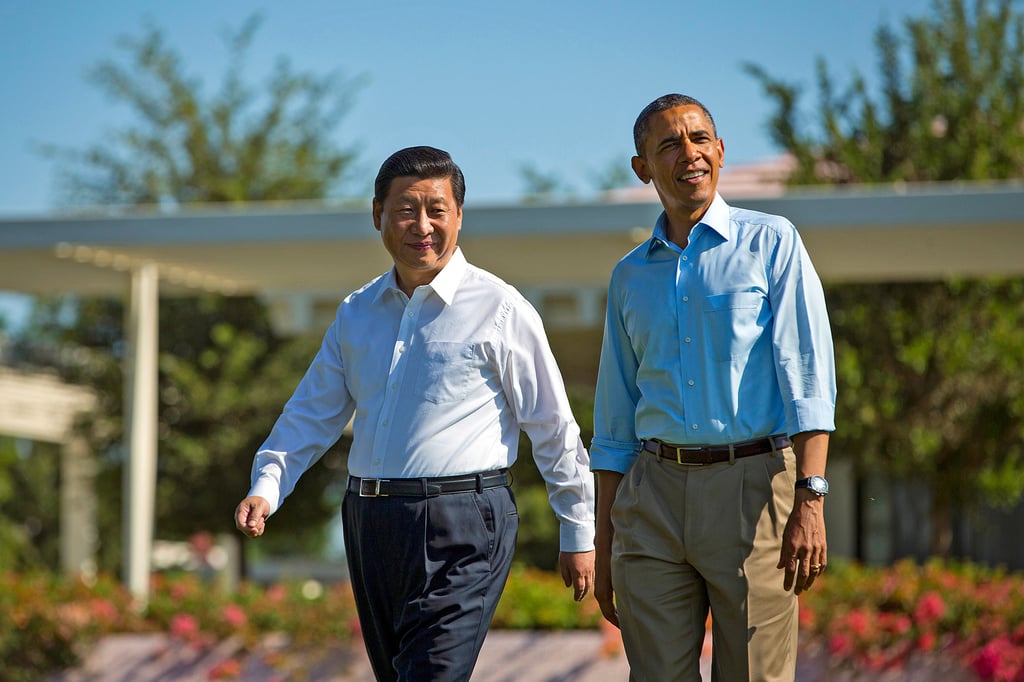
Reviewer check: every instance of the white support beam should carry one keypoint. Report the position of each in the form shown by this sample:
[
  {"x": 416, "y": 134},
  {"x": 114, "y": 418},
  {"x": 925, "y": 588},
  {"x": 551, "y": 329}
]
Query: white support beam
[{"x": 141, "y": 424}]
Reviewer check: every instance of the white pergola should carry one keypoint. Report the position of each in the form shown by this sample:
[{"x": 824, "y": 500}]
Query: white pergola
[{"x": 873, "y": 234}]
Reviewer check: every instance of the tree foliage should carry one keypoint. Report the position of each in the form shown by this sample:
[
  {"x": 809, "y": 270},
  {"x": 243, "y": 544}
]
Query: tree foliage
[
  {"x": 236, "y": 145},
  {"x": 950, "y": 106},
  {"x": 224, "y": 373},
  {"x": 930, "y": 373}
]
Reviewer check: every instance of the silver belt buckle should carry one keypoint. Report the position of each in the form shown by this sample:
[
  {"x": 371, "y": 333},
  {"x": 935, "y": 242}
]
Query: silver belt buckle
[{"x": 370, "y": 487}]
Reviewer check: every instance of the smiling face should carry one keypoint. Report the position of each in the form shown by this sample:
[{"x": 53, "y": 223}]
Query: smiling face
[
  {"x": 419, "y": 222},
  {"x": 682, "y": 156}
]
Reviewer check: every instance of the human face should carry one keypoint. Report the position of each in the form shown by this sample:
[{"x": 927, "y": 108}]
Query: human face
[
  {"x": 419, "y": 222},
  {"x": 682, "y": 157}
]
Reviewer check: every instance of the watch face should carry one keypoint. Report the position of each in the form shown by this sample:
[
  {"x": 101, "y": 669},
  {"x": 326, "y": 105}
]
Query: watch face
[{"x": 818, "y": 485}]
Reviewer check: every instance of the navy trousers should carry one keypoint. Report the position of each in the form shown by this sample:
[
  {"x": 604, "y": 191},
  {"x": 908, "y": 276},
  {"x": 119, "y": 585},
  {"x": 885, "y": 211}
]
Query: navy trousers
[{"x": 427, "y": 575}]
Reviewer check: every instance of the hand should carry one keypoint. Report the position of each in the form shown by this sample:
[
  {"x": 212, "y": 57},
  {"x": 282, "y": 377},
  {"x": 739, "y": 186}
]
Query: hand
[
  {"x": 804, "y": 547},
  {"x": 251, "y": 516},
  {"x": 577, "y": 572},
  {"x": 604, "y": 593}
]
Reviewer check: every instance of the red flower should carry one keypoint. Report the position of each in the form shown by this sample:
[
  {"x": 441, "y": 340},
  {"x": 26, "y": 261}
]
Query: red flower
[
  {"x": 235, "y": 616},
  {"x": 840, "y": 645},
  {"x": 184, "y": 626},
  {"x": 930, "y": 609}
]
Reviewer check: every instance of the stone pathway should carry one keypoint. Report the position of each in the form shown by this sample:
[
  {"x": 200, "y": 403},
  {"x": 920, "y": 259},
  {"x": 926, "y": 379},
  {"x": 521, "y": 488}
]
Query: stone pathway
[{"x": 507, "y": 656}]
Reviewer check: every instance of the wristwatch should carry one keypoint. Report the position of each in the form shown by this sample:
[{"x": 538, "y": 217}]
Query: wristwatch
[{"x": 816, "y": 484}]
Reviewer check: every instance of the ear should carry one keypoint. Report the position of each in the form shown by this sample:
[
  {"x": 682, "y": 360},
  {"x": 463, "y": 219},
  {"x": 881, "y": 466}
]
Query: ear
[
  {"x": 640, "y": 168},
  {"x": 378, "y": 209},
  {"x": 721, "y": 153}
]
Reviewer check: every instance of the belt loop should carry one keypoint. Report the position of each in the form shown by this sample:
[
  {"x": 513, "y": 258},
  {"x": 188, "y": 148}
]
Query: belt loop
[
  {"x": 423, "y": 484},
  {"x": 479, "y": 484},
  {"x": 775, "y": 452},
  {"x": 732, "y": 453}
]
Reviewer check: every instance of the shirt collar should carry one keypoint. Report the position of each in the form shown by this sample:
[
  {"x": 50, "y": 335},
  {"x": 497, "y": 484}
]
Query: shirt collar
[
  {"x": 715, "y": 218},
  {"x": 444, "y": 284}
]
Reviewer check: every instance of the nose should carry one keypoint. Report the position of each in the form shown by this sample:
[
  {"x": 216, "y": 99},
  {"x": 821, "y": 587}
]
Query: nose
[
  {"x": 691, "y": 150},
  {"x": 422, "y": 224}
]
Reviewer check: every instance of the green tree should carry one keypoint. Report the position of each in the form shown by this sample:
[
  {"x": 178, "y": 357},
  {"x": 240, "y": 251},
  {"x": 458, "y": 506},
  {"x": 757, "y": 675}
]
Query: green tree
[
  {"x": 224, "y": 372},
  {"x": 929, "y": 372},
  {"x": 950, "y": 106},
  {"x": 236, "y": 145}
]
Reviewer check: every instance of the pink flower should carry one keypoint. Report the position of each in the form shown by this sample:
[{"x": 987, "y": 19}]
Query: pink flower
[
  {"x": 276, "y": 593},
  {"x": 839, "y": 645},
  {"x": 930, "y": 609},
  {"x": 859, "y": 622},
  {"x": 235, "y": 616},
  {"x": 184, "y": 626}
]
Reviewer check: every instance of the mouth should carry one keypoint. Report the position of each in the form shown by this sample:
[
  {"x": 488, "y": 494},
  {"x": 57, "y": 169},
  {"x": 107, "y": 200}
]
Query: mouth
[
  {"x": 421, "y": 246},
  {"x": 693, "y": 176}
]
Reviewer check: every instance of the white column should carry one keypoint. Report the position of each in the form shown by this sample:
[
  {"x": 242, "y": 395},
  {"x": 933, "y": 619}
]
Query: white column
[{"x": 141, "y": 427}]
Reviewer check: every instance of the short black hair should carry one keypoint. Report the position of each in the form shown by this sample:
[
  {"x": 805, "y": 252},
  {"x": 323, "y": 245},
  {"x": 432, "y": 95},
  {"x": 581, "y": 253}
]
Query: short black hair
[
  {"x": 664, "y": 102},
  {"x": 419, "y": 162}
]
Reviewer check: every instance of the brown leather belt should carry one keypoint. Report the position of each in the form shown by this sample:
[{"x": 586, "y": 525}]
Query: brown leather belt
[
  {"x": 699, "y": 455},
  {"x": 428, "y": 487}
]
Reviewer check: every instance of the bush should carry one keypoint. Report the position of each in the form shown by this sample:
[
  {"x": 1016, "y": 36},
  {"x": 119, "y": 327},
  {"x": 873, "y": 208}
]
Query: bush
[
  {"x": 539, "y": 600},
  {"x": 880, "y": 618}
]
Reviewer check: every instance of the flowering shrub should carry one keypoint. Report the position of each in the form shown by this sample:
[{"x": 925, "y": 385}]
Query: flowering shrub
[
  {"x": 880, "y": 618},
  {"x": 52, "y": 618},
  {"x": 865, "y": 618}
]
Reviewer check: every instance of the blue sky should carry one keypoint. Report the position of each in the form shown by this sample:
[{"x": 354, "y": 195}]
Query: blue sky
[{"x": 556, "y": 84}]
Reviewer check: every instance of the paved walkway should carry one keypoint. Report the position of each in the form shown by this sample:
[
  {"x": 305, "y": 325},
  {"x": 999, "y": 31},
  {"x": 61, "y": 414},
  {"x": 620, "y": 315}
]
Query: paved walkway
[{"x": 507, "y": 656}]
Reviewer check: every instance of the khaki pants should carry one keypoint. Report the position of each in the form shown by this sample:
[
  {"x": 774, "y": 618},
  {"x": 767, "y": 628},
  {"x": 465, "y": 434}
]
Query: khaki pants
[{"x": 690, "y": 538}]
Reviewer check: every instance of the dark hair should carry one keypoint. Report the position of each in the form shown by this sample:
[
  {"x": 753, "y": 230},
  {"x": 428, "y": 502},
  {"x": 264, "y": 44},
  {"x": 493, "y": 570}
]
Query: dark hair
[
  {"x": 661, "y": 104},
  {"x": 419, "y": 162}
]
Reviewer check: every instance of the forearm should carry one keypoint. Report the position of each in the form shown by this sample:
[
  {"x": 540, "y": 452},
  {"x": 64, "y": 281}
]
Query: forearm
[
  {"x": 811, "y": 450},
  {"x": 607, "y": 488}
]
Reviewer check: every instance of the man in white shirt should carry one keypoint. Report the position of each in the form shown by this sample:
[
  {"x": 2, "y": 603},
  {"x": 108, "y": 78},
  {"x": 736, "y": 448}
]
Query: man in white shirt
[{"x": 442, "y": 365}]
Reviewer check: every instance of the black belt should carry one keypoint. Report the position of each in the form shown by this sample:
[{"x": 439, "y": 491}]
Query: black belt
[
  {"x": 428, "y": 487},
  {"x": 712, "y": 454}
]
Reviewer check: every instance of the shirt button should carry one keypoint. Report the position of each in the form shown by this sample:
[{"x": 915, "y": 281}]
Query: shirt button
[
  {"x": 376, "y": 462},
  {"x": 686, "y": 258},
  {"x": 401, "y": 349},
  {"x": 384, "y": 423},
  {"x": 693, "y": 426},
  {"x": 690, "y": 382},
  {"x": 686, "y": 340},
  {"x": 685, "y": 299},
  {"x": 394, "y": 386},
  {"x": 411, "y": 314}
]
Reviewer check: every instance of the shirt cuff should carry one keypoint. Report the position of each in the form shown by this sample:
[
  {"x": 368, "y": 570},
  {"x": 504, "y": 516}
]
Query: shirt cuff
[
  {"x": 610, "y": 455},
  {"x": 811, "y": 414},
  {"x": 573, "y": 537},
  {"x": 267, "y": 488}
]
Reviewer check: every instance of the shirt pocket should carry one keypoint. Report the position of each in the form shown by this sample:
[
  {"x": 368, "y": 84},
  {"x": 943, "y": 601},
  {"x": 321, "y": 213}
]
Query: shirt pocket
[
  {"x": 733, "y": 323},
  {"x": 444, "y": 375}
]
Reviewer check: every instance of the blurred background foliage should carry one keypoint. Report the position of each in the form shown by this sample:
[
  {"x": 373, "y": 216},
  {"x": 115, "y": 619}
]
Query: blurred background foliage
[{"x": 930, "y": 373}]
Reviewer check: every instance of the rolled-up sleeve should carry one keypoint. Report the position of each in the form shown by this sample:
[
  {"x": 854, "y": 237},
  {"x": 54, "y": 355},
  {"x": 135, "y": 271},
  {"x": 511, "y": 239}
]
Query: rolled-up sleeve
[
  {"x": 802, "y": 339},
  {"x": 615, "y": 443}
]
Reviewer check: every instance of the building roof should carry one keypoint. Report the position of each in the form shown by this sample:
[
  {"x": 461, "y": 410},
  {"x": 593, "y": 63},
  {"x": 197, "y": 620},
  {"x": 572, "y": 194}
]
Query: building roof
[{"x": 860, "y": 233}]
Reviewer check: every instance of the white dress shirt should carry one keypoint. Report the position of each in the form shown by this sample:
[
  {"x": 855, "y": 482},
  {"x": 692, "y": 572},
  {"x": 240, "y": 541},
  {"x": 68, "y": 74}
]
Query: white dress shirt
[{"x": 440, "y": 384}]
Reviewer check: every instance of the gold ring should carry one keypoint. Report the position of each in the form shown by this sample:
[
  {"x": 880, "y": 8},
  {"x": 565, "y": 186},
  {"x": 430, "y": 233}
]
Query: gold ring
[{"x": 815, "y": 566}]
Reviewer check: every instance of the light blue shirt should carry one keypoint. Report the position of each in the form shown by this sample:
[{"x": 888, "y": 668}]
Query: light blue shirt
[
  {"x": 437, "y": 384},
  {"x": 722, "y": 342}
]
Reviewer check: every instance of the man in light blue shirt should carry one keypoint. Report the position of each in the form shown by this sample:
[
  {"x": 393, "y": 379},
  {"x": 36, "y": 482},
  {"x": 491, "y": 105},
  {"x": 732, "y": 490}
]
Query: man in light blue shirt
[
  {"x": 715, "y": 398},
  {"x": 440, "y": 365}
]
